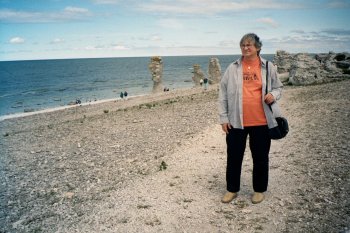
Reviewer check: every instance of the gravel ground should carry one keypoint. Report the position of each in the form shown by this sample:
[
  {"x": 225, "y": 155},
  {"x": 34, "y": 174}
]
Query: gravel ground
[{"x": 157, "y": 164}]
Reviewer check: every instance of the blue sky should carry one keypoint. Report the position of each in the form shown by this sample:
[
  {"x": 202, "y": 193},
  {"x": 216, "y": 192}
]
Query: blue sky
[{"x": 50, "y": 29}]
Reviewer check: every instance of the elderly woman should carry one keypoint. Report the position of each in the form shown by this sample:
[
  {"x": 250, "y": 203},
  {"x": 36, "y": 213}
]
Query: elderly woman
[{"x": 244, "y": 110}]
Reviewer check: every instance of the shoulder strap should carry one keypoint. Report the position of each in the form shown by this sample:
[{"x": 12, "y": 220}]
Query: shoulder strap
[
  {"x": 267, "y": 75},
  {"x": 267, "y": 80}
]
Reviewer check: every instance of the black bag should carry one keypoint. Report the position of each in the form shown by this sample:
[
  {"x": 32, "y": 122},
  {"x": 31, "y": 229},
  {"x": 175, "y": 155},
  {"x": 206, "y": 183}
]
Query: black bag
[{"x": 282, "y": 129}]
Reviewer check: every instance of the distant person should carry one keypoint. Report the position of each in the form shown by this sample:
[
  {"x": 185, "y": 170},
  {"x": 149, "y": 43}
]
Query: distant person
[
  {"x": 205, "y": 82},
  {"x": 126, "y": 95},
  {"x": 121, "y": 95},
  {"x": 244, "y": 110}
]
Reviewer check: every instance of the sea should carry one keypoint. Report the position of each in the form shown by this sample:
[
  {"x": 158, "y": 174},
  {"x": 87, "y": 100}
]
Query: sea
[{"x": 33, "y": 85}]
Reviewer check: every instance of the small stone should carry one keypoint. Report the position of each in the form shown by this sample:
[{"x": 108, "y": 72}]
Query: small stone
[
  {"x": 246, "y": 211},
  {"x": 18, "y": 224},
  {"x": 69, "y": 195}
]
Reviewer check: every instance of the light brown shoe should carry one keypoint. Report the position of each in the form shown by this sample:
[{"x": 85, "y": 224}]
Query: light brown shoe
[
  {"x": 228, "y": 197},
  {"x": 257, "y": 198}
]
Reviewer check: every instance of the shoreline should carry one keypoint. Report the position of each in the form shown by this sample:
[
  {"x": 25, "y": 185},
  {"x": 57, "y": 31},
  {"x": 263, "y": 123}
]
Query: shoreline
[
  {"x": 97, "y": 102},
  {"x": 100, "y": 79},
  {"x": 54, "y": 109}
]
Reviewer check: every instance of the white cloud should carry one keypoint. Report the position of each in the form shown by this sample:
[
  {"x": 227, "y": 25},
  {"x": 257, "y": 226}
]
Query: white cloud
[
  {"x": 76, "y": 10},
  {"x": 17, "y": 40},
  {"x": 155, "y": 38},
  {"x": 170, "y": 24},
  {"x": 320, "y": 41},
  {"x": 268, "y": 21},
  {"x": 67, "y": 14},
  {"x": 228, "y": 43},
  {"x": 120, "y": 47},
  {"x": 102, "y": 2},
  {"x": 298, "y": 31},
  {"x": 18, "y": 16},
  {"x": 339, "y": 4},
  {"x": 103, "y": 47},
  {"x": 91, "y": 48},
  {"x": 213, "y": 6},
  {"x": 57, "y": 41},
  {"x": 335, "y": 31}
]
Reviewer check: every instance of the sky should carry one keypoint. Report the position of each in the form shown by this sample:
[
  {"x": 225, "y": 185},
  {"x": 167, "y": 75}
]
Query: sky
[{"x": 58, "y": 29}]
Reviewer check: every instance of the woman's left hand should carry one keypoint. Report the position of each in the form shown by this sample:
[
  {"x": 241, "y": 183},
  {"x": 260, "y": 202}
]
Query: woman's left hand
[{"x": 269, "y": 99}]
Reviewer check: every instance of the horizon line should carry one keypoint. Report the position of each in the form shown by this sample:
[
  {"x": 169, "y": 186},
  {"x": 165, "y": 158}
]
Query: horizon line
[{"x": 75, "y": 58}]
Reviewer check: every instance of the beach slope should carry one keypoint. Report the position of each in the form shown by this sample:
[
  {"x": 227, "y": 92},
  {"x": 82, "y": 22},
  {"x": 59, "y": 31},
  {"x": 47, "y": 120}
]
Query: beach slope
[{"x": 157, "y": 164}]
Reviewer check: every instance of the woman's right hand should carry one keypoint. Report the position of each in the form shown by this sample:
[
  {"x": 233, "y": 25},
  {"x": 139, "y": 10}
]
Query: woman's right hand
[{"x": 226, "y": 127}]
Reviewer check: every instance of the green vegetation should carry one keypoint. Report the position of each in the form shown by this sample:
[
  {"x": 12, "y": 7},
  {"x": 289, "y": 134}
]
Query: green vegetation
[{"x": 163, "y": 166}]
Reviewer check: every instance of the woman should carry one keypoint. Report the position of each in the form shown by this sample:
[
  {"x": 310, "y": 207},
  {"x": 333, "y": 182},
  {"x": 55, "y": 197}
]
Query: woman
[{"x": 244, "y": 110}]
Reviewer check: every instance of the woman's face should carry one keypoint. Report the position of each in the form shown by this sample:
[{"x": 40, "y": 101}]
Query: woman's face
[{"x": 248, "y": 49}]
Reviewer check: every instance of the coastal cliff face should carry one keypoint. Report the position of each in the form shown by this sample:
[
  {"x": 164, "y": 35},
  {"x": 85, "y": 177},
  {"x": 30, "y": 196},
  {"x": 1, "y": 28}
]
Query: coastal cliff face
[
  {"x": 306, "y": 69},
  {"x": 156, "y": 69}
]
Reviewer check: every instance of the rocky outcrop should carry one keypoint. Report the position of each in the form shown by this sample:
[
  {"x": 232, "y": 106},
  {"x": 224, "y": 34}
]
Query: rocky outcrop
[
  {"x": 283, "y": 60},
  {"x": 335, "y": 62},
  {"x": 214, "y": 70},
  {"x": 306, "y": 69},
  {"x": 156, "y": 68},
  {"x": 197, "y": 74}
]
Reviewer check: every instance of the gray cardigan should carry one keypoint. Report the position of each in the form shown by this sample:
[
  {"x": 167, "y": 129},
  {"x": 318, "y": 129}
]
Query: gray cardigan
[{"x": 230, "y": 94}]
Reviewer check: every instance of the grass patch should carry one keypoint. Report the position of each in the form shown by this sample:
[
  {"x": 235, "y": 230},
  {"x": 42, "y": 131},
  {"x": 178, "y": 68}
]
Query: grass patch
[
  {"x": 143, "y": 206},
  {"x": 163, "y": 166}
]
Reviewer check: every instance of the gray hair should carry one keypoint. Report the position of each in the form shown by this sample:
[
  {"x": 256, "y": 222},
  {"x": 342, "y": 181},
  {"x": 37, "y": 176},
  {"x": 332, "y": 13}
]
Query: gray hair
[{"x": 253, "y": 38}]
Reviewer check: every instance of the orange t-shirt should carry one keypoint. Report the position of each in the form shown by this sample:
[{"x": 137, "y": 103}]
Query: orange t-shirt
[{"x": 253, "y": 111}]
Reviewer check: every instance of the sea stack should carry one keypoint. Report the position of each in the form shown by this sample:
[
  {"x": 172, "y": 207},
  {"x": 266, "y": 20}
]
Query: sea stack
[
  {"x": 214, "y": 70},
  {"x": 156, "y": 68},
  {"x": 197, "y": 74}
]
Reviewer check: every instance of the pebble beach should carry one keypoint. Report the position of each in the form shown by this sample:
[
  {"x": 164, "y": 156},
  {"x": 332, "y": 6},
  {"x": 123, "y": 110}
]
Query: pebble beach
[{"x": 156, "y": 163}]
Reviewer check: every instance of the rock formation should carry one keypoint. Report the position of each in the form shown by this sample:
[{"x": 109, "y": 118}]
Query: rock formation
[
  {"x": 197, "y": 74},
  {"x": 306, "y": 69},
  {"x": 214, "y": 70},
  {"x": 333, "y": 62},
  {"x": 283, "y": 60},
  {"x": 156, "y": 68}
]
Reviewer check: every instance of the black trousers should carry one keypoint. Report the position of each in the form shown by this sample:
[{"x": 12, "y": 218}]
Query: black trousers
[{"x": 259, "y": 143}]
